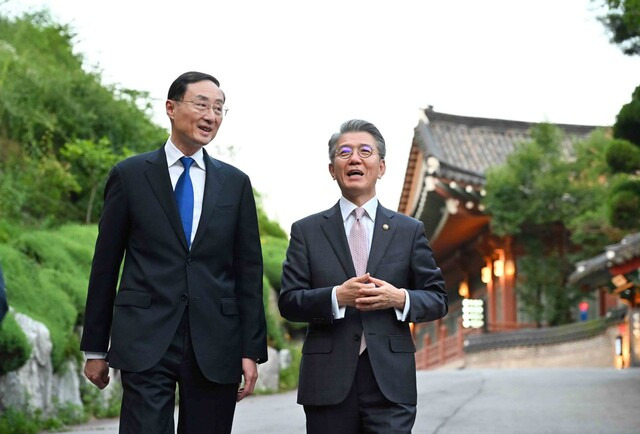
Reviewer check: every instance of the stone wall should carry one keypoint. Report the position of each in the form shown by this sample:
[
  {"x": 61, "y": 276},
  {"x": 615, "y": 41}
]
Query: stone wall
[{"x": 595, "y": 352}]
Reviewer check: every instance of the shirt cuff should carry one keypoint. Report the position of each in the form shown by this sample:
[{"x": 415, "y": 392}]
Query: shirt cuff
[
  {"x": 90, "y": 355},
  {"x": 402, "y": 314},
  {"x": 338, "y": 312}
]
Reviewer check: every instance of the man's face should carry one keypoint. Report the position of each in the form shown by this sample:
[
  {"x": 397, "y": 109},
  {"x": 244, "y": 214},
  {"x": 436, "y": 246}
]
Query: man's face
[
  {"x": 356, "y": 175},
  {"x": 192, "y": 128}
]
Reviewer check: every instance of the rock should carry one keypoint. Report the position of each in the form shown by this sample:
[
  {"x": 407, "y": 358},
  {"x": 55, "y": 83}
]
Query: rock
[
  {"x": 30, "y": 385},
  {"x": 66, "y": 385},
  {"x": 269, "y": 372},
  {"x": 285, "y": 358}
]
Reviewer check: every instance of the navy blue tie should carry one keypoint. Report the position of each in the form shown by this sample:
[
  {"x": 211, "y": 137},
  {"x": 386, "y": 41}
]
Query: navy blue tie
[{"x": 184, "y": 198}]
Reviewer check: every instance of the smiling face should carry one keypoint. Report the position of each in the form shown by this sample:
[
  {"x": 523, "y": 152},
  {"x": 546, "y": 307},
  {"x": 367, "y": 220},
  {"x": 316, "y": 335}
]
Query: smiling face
[
  {"x": 191, "y": 129},
  {"x": 357, "y": 176}
]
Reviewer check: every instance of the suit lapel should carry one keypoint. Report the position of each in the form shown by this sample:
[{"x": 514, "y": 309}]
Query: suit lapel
[
  {"x": 212, "y": 188},
  {"x": 383, "y": 232},
  {"x": 157, "y": 174},
  {"x": 333, "y": 228}
]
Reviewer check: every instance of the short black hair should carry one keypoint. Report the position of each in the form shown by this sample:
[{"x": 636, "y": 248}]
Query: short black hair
[{"x": 179, "y": 85}]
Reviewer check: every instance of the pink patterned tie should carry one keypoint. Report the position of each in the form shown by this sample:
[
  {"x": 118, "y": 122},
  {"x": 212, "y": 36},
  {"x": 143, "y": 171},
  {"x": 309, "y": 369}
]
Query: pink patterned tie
[
  {"x": 358, "y": 243},
  {"x": 359, "y": 252}
]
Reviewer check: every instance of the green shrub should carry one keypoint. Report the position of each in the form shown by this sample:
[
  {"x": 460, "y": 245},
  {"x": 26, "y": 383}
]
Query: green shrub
[
  {"x": 623, "y": 156},
  {"x": 623, "y": 210},
  {"x": 289, "y": 375},
  {"x": 98, "y": 407},
  {"x": 14, "y": 346},
  {"x": 273, "y": 254},
  {"x": 275, "y": 335},
  {"x": 627, "y": 124},
  {"x": 18, "y": 422},
  {"x": 28, "y": 421},
  {"x": 33, "y": 290}
]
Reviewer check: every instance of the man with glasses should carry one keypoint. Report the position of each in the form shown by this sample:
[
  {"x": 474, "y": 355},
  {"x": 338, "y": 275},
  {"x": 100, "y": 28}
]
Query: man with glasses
[
  {"x": 358, "y": 274},
  {"x": 189, "y": 305}
]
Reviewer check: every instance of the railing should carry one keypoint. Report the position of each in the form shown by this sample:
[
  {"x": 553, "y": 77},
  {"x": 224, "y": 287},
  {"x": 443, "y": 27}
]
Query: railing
[{"x": 445, "y": 350}]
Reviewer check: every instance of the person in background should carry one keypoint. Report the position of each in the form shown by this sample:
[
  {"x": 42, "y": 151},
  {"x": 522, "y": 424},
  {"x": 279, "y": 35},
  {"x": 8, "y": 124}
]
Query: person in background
[
  {"x": 358, "y": 274},
  {"x": 188, "y": 308}
]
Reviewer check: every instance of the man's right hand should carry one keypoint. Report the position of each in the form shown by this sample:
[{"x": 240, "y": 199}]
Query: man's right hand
[
  {"x": 349, "y": 291},
  {"x": 97, "y": 371}
]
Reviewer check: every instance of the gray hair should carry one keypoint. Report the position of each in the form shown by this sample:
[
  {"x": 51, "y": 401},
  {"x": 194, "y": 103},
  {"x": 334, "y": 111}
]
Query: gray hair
[{"x": 357, "y": 125}]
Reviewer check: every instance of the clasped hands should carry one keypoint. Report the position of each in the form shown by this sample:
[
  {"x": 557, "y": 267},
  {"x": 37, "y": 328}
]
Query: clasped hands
[{"x": 368, "y": 293}]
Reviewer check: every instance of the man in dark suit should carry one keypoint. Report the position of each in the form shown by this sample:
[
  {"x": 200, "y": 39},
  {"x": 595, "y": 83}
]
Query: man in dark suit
[
  {"x": 358, "y": 273},
  {"x": 189, "y": 306}
]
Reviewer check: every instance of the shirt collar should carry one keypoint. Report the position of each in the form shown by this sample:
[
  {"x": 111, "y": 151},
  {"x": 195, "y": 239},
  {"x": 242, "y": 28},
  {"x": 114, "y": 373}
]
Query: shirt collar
[
  {"x": 174, "y": 154},
  {"x": 347, "y": 207}
]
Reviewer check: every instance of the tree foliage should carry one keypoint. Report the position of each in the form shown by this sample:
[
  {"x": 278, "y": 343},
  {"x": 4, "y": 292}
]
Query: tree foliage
[
  {"x": 623, "y": 21},
  {"x": 88, "y": 162},
  {"x": 591, "y": 176},
  {"x": 533, "y": 199},
  {"x": 533, "y": 187},
  {"x": 49, "y": 102},
  {"x": 627, "y": 125}
]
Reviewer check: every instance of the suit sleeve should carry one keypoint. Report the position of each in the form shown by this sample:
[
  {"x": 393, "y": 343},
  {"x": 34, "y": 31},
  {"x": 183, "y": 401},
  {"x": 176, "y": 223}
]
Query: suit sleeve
[
  {"x": 248, "y": 274},
  {"x": 113, "y": 232},
  {"x": 427, "y": 291},
  {"x": 298, "y": 301}
]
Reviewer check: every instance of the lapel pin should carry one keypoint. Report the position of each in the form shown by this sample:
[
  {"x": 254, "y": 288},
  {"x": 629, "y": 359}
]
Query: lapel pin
[{"x": 385, "y": 227}]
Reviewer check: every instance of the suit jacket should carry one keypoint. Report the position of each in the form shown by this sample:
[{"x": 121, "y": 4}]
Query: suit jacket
[
  {"x": 220, "y": 278},
  {"x": 318, "y": 259}
]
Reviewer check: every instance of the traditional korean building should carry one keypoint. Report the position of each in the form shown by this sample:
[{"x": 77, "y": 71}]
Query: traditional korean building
[
  {"x": 443, "y": 187},
  {"x": 614, "y": 274}
]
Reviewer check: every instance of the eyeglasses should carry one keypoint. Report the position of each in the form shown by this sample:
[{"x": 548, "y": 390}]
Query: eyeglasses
[
  {"x": 345, "y": 152},
  {"x": 202, "y": 106}
]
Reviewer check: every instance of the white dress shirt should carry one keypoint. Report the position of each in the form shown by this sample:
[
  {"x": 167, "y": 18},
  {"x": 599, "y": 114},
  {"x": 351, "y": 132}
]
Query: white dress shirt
[
  {"x": 198, "y": 175},
  {"x": 368, "y": 220}
]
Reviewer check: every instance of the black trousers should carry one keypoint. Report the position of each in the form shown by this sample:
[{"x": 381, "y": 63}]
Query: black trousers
[
  {"x": 148, "y": 400},
  {"x": 364, "y": 410}
]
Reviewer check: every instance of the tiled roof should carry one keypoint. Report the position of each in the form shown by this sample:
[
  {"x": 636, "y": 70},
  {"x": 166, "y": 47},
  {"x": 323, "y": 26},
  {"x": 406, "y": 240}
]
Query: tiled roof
[
  {"x": 615, "y": 254},
  {"x": 469, "y": 145}
]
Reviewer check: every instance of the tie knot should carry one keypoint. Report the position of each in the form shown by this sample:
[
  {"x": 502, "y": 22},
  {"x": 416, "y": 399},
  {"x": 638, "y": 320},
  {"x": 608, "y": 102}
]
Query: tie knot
[
  {"x": 359, "y": 212},
  {"x": 187, "y": 162}
]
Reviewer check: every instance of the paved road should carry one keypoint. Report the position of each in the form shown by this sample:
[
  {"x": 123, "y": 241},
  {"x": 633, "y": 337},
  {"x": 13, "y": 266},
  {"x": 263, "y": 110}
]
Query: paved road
[{"x": 558, "y": 401}]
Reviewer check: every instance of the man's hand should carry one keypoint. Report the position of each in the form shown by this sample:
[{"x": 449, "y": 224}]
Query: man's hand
[
  {"x": 97, "y": 371},
  {"x": 250, "y": 374},
  {"x": 349, "y": 291},
  {"x": 382, "y": 295}
]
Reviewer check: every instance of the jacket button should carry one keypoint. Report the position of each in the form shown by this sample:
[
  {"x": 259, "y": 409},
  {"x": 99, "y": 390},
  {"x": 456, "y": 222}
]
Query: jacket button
[
  {"x": 189, "y": 260},
  {"x": 183, "y": 297},
  {"x": 356, "y": 337}
]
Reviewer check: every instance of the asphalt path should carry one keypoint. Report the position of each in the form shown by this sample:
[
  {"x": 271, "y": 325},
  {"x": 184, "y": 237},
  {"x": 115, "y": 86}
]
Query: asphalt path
[{"x": 536, "y": 401}]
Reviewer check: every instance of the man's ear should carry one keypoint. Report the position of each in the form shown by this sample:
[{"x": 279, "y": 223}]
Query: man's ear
[
  {"x": 170, "y": 107},
  {"x": 332, "y": 171},
  {"x": 383, "y": 168}
]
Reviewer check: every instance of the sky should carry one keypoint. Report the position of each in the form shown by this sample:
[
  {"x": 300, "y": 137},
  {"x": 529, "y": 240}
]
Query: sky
[{"x": 293, "y": 71}]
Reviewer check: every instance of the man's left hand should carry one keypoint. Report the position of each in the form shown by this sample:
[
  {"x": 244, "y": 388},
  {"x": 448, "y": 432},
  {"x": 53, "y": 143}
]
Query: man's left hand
[
  {"x": 383, "y": 296},
  {"x": 250, "y": 374}
]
